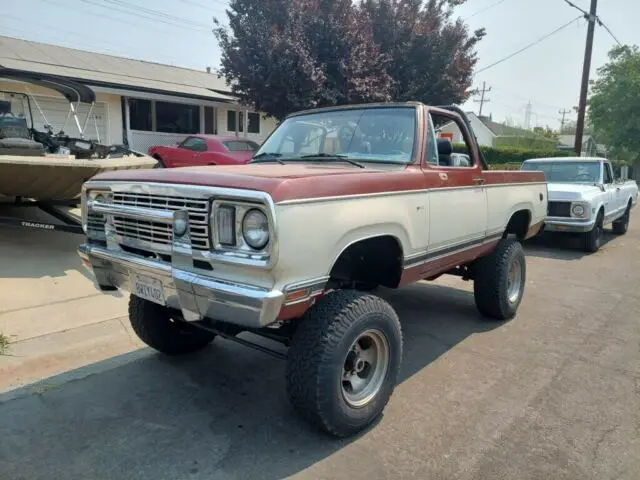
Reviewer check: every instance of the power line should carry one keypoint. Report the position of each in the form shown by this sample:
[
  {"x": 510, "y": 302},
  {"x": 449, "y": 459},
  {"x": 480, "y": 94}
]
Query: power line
[
  {"x": 601, "y": 23},
  {"x": 587, "y": 15},
  {"x": 495, "y": 4},
  {"x": 482, "y": 93},
  {"x": 530, "y": 45},
  {"x": 564, "y": 113}
]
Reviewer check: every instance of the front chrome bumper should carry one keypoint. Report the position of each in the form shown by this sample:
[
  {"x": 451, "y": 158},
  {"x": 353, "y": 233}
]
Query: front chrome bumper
[
  {"x": 570, "y": 225},
  {"x": 196, "y": 295}
]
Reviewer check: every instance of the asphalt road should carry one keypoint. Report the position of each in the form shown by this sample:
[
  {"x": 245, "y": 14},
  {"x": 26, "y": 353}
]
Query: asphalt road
[{"x": 553, "y": 394}]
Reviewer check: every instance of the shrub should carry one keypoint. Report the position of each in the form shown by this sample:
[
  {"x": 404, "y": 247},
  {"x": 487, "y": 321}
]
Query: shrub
[
  {"x": 532, "y": 143},
  {"x": 512, "y": 155}
]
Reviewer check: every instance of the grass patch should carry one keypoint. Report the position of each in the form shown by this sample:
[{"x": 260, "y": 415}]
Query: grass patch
[{"x": 4, "y": 344}]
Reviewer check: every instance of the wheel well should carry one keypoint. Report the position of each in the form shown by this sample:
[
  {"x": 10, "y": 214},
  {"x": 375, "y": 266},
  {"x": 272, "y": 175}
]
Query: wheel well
[
  {"x": 519, "y": 224},
  {"x": 158, "y": 158},
  {"x": 369, "y": 263}
]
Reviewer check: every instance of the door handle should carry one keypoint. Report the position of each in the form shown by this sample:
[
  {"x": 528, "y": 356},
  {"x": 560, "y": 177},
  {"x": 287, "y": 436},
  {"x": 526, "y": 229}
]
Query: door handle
[
  {"x": 478, "y": 180},
  {"x": 617, "y": 189}
]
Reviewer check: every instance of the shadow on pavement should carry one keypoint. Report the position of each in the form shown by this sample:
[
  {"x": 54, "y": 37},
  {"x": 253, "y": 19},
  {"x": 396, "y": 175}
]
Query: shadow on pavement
[
  {"x": 221, "y": 413},
  {"x": 559, "y": 246}
]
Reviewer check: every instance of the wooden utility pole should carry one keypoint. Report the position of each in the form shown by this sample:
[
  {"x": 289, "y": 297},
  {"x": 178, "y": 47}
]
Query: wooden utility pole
[
  {"x": 582, "y": 107},
  {"x": 482, "y": 100},
  {"x": 564, "y": 113}
]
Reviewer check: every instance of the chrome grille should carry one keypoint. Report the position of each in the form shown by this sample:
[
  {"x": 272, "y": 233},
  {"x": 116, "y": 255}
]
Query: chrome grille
[
  {"x": 95, "y": 223},
  {"x": 161, "y": 233}
]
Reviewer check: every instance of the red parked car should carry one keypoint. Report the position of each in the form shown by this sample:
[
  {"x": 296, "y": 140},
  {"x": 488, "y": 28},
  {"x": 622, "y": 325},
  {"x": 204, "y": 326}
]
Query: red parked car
[{"x": 198, "y": 150}]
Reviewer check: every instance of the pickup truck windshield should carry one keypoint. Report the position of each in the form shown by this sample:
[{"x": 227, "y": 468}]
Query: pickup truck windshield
[
  {"x": 382, "y": 135},
  {"x": 567, "y": 172}
]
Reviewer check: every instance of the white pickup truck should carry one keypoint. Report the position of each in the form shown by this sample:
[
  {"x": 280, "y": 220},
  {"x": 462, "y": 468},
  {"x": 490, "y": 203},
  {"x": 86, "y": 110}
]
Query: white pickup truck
[{"x": 584, "y": 196}]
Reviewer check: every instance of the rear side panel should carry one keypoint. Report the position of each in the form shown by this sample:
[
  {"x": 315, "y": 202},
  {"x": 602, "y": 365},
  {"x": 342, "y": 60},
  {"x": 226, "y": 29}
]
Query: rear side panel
[{"x": 509, "y": 192}]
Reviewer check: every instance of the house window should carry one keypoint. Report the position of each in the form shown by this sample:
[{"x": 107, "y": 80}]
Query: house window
[
  {"x": 241, "y": 146},
  {"x": 253, "y": 122},
  {"x": 177, "y": 118},
  {"x": 140, "y": 114},
  {"x": 231, "y": 121}
]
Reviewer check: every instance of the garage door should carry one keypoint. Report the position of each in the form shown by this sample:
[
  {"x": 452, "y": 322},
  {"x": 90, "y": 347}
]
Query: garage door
[{"x": 56, "y": 110}]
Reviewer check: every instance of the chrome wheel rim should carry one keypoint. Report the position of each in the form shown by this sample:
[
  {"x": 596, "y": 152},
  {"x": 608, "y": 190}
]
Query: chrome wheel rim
[
  {"x": 365, "y": 368},
  {"x": 514, "y": 281}
]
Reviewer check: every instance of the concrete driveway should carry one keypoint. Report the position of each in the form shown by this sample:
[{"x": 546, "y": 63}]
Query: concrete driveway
[{"x": 554, "y": 394}]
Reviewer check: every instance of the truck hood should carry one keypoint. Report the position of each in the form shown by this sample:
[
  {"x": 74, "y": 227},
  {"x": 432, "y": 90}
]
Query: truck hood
[
  {"x": 572, "y": 191},
  {"x": 283, "y": 182}
]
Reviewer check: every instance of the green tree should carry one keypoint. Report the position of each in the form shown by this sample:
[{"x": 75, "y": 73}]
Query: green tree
[{"x": 614, "y": 104}]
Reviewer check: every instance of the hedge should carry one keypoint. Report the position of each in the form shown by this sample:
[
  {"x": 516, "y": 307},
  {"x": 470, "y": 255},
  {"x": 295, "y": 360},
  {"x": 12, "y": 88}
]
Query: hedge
[{"x": 512, "y": 155}]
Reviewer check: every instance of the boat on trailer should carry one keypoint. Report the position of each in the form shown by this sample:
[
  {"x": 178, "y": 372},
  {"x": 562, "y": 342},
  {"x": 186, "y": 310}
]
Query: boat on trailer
[{"x": 46, "y": 169}]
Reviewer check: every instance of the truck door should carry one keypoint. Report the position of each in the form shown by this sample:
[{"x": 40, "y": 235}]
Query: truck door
[
  {"x": 612, "y": 195},
  {"x": 457, "y": 195}
]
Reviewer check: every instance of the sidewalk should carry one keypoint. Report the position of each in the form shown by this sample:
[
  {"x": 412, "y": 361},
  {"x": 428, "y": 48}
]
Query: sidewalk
[{"x": 51, "y": 311}]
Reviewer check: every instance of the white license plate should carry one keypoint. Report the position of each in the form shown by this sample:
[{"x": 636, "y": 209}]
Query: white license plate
[{"x": 148, "y": 288}]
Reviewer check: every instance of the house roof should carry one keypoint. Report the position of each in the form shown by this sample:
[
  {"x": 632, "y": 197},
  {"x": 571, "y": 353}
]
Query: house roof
[
  {"x": 570, "y": 140},
  {"x": 502, "y": 130},
  {"x": 97, "y": 69}
]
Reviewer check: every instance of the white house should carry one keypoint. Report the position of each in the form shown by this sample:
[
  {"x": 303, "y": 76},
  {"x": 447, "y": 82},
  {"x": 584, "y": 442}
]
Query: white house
[{"x": 139, "y": 103}]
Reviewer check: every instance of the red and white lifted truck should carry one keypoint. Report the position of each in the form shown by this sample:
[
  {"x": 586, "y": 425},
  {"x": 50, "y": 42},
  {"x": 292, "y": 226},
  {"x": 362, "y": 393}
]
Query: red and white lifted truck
[{"x": 336, "y": 202}]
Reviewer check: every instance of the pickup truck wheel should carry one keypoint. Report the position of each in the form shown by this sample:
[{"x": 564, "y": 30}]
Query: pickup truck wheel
[
  {"x": 155, "y": 327},
  {"x": 621, "y": 225},
  {"x": 499, "y": 280},
  {"x": 592, "y": 240},
  {"x": 343, "y": 362}
]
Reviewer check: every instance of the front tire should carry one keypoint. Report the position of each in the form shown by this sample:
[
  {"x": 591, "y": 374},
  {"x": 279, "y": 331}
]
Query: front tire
[
  {"x": 499, "y": 281},
  {"x": 621, "y": 225},
  {"x": 592, "y": 240},
  {"x": 343, "y": 362},
  {"x": 155, "y": 327}
]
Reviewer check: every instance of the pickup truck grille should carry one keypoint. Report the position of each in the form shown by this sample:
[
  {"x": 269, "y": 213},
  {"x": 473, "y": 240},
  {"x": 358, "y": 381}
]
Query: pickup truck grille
[
  {"x": 159, "y": 233},
  {"x": 559, "y": 209}
]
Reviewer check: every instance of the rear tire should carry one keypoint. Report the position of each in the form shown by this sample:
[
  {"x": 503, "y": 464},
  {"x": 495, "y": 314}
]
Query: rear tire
[
  {"x": 621, "y": 225},
  {"x": 592, "y": 240},
  {"x": 155, "y": 327},
  {"x": 499, "y": 281},
  {"x": 343, "y": 362}
]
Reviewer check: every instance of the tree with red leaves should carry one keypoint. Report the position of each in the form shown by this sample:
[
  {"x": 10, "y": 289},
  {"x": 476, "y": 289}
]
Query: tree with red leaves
[{"x": 281, "y": 56}]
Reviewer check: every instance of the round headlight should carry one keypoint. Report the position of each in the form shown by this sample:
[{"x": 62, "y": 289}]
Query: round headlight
[
  {"x": 577, "y": 210},
  {"x": 255, "y": 229}
]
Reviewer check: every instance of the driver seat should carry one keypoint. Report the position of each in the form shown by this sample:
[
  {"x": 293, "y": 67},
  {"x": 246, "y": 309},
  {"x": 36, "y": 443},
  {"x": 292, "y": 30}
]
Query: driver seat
[{"x": 445, "y": 149}]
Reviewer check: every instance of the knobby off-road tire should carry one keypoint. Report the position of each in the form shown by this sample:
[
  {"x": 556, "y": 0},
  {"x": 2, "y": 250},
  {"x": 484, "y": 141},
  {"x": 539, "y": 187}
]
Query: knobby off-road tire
[
  {"x": 499, "y": 280},
  {"x": 154, "y": 326},
  {"x": 326, "y": 361},
  {"x": 592, "y": 240},
  {"x": 621, "y": 225}
]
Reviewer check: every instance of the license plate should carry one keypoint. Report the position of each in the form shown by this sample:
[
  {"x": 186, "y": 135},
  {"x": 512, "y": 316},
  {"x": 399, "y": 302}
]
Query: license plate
[{"x": 148, "y": 289}]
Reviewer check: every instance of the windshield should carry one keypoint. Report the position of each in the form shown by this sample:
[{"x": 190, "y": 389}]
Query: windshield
[
  {"x": 383, "y": 135},
  {"x": 567, "y": 172}
]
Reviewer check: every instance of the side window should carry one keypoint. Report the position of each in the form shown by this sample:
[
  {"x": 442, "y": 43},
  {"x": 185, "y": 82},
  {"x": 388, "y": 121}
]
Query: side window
[
  {"x": 194, "y": 144},
  {"x": 432, "y": 145},
  {"x": 453, "y": 147},
  {"x": 608, "y": 178}
]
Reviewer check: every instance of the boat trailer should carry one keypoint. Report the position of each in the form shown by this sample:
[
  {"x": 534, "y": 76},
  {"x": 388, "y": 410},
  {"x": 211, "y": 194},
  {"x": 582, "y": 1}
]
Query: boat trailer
[{"x": 59, "y": 210}]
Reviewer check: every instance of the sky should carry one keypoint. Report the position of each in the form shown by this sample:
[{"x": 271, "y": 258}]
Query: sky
[{"x": 178, "y": 32}]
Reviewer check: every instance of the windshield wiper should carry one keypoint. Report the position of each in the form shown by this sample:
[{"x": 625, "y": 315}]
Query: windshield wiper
[
  {"x": 267, "y": 157},
  {"x": 333, "y": 157}
]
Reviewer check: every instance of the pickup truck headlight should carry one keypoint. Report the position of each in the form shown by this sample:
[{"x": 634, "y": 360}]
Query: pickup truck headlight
[
  {"x": 579, "y": 210},
  {"x": 240, "y": 229},
  {"x": 255, "y": 229}
]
